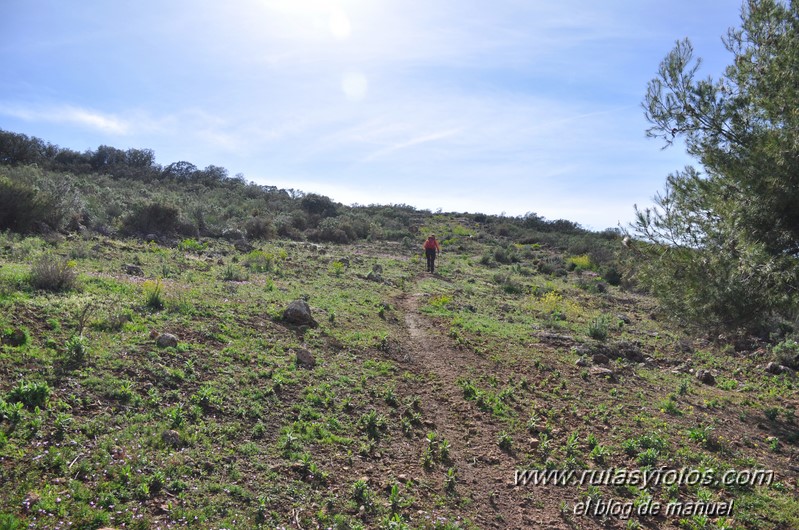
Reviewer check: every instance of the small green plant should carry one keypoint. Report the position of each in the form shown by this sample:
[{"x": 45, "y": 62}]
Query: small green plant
[
  {"x": 598, "y": 328},
  {"x": 648, "y": 457},
  {"x": 599, "y": 454},
  {"x": 360, "y": 492},
  {"x": 75, "y": 349},
  {"x": 31, "y": 395},
  {"x": 684, "y": 387},
  {"x": 231, "y": 273},
  {"x": 505, "y": 441},
  {"x": 373, "y": 423},
  {"x": 153, "y": 294},
  {"x": 444, "y": 449},
  {"x": 260, "y": 261},
  {"x": 451, "y": 480},
  {"x": 390, "y": 397},
  {"x": 396, "y": 501},
  {"x": 191, "y": 245},
  {"x": 337, "y": 268},
  {"x": 669, "y": 406},
  {"x": 176, "y": 416},
  {"x": 701, "y": 434},
  {"x": 572, "y": 444},
  {"x": 772, "y": 413},
  {"x": 428, "y": 458}
]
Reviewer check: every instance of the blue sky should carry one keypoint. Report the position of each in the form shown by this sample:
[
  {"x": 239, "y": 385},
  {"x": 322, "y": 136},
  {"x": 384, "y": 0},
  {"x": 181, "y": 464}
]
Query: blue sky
[{"x": 507, "y": 106}]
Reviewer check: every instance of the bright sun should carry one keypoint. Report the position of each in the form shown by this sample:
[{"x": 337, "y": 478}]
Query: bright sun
[{"x": 334, "y": 11}]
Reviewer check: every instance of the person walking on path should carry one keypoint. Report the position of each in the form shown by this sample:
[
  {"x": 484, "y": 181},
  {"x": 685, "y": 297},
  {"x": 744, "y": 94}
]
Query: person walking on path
[{"x": 431, "y": 248}]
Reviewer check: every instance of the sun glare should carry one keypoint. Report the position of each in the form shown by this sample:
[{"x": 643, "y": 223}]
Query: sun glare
[{"x": 333, "y": 13}]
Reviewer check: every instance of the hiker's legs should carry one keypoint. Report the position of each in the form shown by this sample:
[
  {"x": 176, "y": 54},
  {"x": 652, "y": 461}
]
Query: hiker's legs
[{"x": 430, "y": 254}]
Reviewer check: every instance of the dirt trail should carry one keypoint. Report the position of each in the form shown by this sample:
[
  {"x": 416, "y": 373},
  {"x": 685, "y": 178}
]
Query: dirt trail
[
  {"x": 485, "y": 474},
  {"x": 485, "y": 486}
]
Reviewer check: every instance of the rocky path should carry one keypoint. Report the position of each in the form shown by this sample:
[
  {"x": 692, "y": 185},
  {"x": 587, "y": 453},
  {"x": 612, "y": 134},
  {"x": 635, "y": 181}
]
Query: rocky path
[{"x": 484, "y": 473}]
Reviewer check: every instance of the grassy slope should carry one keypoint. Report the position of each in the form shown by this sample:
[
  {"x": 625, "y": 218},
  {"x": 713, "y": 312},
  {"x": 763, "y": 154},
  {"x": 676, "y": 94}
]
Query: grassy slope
[{"x": 429, "y": 391}]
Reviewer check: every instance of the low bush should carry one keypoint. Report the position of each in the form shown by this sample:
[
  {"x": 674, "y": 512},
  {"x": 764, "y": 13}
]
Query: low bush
[
  {"x": 51, "y": 273},
  {"x": 259, "y": 228},
  {"x": 152, "y": 218},
  {"x": 31, "y": 395},
  {"x": 787, "y": 353}
]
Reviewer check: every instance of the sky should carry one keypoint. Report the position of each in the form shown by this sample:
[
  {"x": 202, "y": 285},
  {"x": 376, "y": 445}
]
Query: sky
[{"x": 500, "y": 107}]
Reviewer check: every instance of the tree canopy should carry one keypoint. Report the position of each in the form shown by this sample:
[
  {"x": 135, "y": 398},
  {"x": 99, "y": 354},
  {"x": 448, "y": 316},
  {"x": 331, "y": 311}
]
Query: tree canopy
[{"x": 724, "y": 241}]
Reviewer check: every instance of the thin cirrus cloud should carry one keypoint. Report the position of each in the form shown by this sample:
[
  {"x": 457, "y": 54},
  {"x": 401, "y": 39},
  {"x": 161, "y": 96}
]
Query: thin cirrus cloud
[{"x": 68, "y": 114}]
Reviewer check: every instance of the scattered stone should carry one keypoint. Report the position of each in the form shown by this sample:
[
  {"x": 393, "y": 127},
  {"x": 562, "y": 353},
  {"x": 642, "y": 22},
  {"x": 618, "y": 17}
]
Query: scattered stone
[
  {"x": 779, "y": 369},
  {"x": 152, "y": 238},
  {"x": 685, "y": 346},
  {"x": 681, "y": 369},
  {"x": 132, "y": 270},
  {"x": 556, "y": 338},
  {"x": 167, "y": 340},
  {"x": 374, "y": 276},
  {"x": 624, "y": 318},
  {"x": 298, "y": 312},
  {"x": 534, "y": 442},
  {"x": 774, "y": 368},
  {"x": 582, "y": 361},
  {"x": 600, "y": 358},
  {"x": 304, "y": 358},
  {"x": 603, "y": 372},
  {"x": 705, "y": 377},
  {"x": 377, "y": 268},
  {"x": 630, "y": 351},
  {"x": 171, "y": 438},
  {"x": 30, "y": 500}
]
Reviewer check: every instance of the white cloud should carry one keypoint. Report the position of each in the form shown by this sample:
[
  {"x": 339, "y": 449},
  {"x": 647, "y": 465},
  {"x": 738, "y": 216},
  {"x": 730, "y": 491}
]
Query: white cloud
[{"x": 86, "y": 118}]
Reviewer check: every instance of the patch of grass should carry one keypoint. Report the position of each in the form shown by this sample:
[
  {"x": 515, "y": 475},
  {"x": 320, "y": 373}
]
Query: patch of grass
[{"x": 153, "y": 294}]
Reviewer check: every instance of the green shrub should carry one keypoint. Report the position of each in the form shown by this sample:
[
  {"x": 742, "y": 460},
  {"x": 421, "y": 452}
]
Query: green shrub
[
  {"x": 75, "y": 349},
  {"x": 233, "y": 274},
  {"x": 152, "y": 218},
  {"x": 598, "y": 328},
  {"x": 259, "y": 228},
  {"x": 787, "y": 353},
  {"x": 20, "y": 208},
  {"x": 337, "y": 268},
  {"x": 260, "y": 261},
  {"x": 191, "y": 245},
  {"x": 31, "y": 395},
  {"x": 579, "y": 263},
  {"x": 51, "y": 273},
  {"x": 15, "y": 337},
  {"x": 10, "y": 522}
]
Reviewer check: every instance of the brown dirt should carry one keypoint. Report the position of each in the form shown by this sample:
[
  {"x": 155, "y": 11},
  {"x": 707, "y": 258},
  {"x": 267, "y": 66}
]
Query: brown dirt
[{"x": 486, "y": 474}]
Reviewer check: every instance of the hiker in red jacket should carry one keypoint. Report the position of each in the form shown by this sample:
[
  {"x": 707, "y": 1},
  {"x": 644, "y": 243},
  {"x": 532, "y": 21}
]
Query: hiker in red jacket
[{"x": 431, "y": 248}]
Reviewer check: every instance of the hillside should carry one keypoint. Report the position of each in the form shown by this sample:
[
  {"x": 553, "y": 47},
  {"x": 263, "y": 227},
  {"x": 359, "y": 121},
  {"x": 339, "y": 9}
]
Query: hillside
[{"x": 426, "y": 393}]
